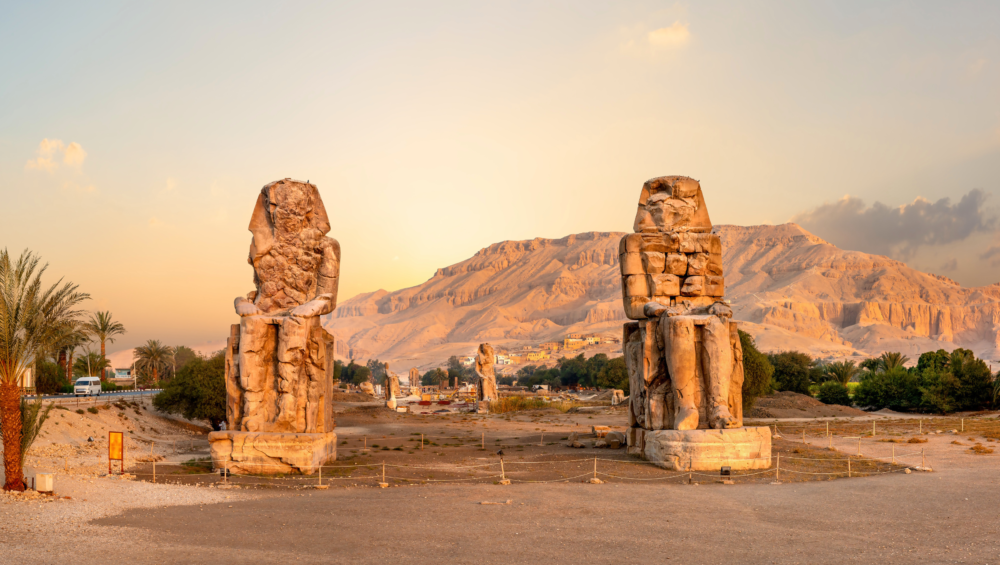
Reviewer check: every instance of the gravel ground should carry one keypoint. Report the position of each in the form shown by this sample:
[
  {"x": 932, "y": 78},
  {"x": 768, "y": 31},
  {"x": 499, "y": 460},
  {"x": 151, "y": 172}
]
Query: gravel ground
[{"x": 35, "y": 528}]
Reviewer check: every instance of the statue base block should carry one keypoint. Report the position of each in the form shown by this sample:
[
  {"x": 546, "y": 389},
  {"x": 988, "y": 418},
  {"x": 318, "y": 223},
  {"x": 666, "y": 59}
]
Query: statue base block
[
  {"x": 706, "y": 450},
  {"x": 268, "y": 453}
]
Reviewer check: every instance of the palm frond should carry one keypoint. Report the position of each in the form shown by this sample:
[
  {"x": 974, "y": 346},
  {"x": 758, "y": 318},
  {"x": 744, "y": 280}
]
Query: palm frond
[{"x": 33, "y": 415}]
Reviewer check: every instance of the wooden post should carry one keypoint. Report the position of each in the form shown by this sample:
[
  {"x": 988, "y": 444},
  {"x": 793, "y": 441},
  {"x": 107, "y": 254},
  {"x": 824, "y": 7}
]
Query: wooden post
[
  {"x": 595, "y": 466},
  {"x": 859, "y": 446},
  {"x": 154, "y": 471},
  {"x": 873, "y": 428},
  {"x": 963, "y": 425},
  {"x": 803, "y": 435},
  {"x": 828, "y": 428},
  {"x": 366, "y": 443},
  {"x": 503, "y": 476},
  {"x": 777, "y": 470},
  {"x": 848, "y": 467},
  {"x": 421, "y": 441},
  {"x": 921, "y": 426},
  {"x": 320, "y": 475},
  {"x": 383, "y": 471}
]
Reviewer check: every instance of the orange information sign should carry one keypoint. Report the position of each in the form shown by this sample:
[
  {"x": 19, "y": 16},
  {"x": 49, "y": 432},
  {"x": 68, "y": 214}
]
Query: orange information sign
[{"x": 116, "y": 449}]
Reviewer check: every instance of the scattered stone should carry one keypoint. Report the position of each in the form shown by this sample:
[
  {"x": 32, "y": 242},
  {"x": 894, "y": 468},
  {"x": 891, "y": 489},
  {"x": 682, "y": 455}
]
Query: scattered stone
[
  {"x": 600, "y": 444},
  {"x": 600, "y": 431}
]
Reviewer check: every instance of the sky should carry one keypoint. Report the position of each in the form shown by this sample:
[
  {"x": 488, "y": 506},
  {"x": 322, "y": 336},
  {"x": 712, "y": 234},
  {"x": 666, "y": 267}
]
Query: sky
[{"x": 135, "y": 137}]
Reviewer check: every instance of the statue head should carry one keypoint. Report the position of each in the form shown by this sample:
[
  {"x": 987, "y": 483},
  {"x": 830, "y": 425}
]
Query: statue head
[
  {"x": 289, "y": 224},
  {"x": 673, "y": 203}
]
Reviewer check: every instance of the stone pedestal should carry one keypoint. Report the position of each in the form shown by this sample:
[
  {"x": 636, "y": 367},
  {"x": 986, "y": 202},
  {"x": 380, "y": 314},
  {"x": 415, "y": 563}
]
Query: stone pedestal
[
  {"x": 703, "y": 450},
  {"x": 269, "y": 453}
]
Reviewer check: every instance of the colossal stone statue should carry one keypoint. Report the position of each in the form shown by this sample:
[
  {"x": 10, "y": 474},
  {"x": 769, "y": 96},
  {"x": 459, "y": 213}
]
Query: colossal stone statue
[
  {"x": 279, "y": 359},
  {"x": 486, "y": 386},
  {"x": 683, "y": 352},
  {"x": 414, "y": 380}
]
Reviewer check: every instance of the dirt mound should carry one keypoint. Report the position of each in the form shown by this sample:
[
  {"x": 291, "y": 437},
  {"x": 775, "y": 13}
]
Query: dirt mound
[
  {"x": 794, "y": 405},
  {"x": 352, "y": 397}
]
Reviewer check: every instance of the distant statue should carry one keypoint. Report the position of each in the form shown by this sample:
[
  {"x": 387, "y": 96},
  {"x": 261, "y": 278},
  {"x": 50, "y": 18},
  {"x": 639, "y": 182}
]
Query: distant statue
[{"x": 486, "y": 386}]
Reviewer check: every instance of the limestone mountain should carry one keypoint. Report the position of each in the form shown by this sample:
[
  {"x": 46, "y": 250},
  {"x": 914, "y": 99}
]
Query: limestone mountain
[{"x": 791, "y": 289}]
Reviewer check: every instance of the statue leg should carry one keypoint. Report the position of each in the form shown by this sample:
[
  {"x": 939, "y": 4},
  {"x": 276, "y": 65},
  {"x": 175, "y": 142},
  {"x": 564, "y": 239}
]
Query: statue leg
[
  {"x": 718, "y": 370},
  {"x": 680, "y": 354}
]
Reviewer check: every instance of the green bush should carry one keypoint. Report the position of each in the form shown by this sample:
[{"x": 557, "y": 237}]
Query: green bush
[
  {"x": 757, "y": 371},
  {"x": 197, "y": 392},
  {"x": 92, "y": 410},
  {"x": 833, "y": 392},
  {"x": 51, "y": 378},
  {"x": 941, "y": 382},
  {"x": 108, "y": 386},
  {"x": 793, "y": 371}
]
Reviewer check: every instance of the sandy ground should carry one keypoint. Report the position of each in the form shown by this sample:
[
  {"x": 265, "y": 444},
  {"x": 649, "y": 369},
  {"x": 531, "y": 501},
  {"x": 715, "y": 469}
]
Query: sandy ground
[{"x": 946, "y": 516}]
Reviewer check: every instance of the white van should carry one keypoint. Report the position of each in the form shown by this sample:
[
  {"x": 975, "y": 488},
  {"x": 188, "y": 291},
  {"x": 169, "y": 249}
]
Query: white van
[{"x": 87, "y": 386}]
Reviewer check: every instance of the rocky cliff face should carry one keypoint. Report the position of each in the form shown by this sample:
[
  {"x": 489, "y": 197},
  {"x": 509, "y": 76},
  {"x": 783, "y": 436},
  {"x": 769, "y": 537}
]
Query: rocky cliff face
[{"x": 791, "y": 289}]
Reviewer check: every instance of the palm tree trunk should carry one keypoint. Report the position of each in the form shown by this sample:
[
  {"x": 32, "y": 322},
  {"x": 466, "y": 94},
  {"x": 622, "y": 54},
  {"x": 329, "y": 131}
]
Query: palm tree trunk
[
  {"x": 62, "y": 358},
  {"x": 10, "y": 419},
  {"x": 156, "y": 379},
  {"x": 69, "y": 367},
  {"x": 103, "y": 372}
]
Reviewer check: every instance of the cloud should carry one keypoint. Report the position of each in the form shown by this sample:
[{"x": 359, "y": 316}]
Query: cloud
[
  {"x": 47, "y": 156},
  {"x": 950, "y": 266},
  {"x": 900, "y": 231},
  {"x": 992, "y": 254},
  {"x": 74, "y": 155},
  {"x": 637, "y": 41},
  {"x": 672, "y": 36}
]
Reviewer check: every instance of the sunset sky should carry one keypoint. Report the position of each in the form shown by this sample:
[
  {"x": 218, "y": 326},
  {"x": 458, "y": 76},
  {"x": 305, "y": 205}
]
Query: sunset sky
[{"x": 135, "y": 137}]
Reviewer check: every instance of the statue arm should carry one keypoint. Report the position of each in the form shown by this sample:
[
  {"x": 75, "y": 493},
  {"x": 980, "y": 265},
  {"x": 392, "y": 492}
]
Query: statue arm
[{"x": 244, "y": 307}]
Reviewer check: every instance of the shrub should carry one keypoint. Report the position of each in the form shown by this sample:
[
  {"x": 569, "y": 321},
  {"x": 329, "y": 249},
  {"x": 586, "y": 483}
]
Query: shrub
[
  {"x": 51, "y": 378},
  {"x": 515, "y": 403},
  {"x": 108, "y": 386},
  {"x": 92, "y": 410},
  {"x": 79, "y": 411},
  {"x": 833, "y": 392},
  {"x": 793, "y": 371},
  {"x": 757, "y": 371},
  {"x": 197, "y": 392},
  {"x": 897, "y": 389}
]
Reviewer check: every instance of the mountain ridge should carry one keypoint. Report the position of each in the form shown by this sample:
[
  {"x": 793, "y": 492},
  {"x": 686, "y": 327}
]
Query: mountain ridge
[{"x": 789, "y": 287}]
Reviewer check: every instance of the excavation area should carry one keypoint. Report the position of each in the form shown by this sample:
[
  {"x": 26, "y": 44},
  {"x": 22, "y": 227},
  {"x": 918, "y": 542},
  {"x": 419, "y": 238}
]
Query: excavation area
[{"x": 408, "y": 487}]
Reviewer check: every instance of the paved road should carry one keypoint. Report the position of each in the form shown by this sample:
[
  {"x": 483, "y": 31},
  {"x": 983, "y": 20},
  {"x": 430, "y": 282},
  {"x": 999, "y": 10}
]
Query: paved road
[{"x": 116, "y": 394}]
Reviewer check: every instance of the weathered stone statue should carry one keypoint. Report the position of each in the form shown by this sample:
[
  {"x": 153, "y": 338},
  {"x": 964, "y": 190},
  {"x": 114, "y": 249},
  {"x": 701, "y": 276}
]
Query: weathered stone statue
[
  {"x": 414, "y": 380},
  {"x": 683, "y": 353},
  {"x": 392, "y": 392},
  {"x": 486, "y": 386},
  {"x": 279, "y": 359}
]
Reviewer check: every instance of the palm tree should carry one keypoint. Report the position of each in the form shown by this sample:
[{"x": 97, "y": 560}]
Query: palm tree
[
  {"x": 27, "y": 314},
  {"x": 70, "y": 336},
  {"x": 841, "y": 371},
  {"x": 153, "y": 356},
  {"x": 90, "y": 364},
  {"x": 104, "y": 329},
  {"x": 890, "y": 360}
]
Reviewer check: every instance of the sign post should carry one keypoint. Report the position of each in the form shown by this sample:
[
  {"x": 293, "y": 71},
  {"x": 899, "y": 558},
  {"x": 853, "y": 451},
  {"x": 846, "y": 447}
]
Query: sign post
[{"x": 116, "y": 450}]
